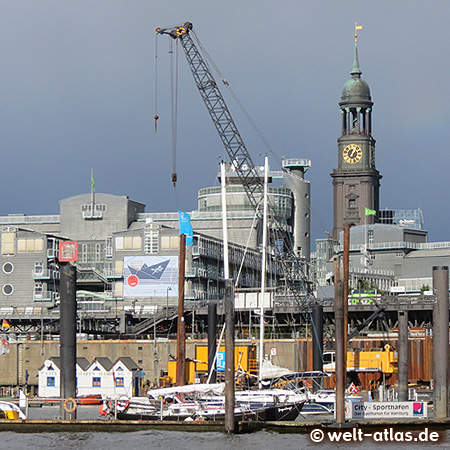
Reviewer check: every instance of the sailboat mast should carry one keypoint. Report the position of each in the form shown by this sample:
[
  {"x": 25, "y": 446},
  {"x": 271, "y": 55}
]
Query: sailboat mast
[
  {"x": 263, "y": 269},
  {"x": 226, "y": 266}
]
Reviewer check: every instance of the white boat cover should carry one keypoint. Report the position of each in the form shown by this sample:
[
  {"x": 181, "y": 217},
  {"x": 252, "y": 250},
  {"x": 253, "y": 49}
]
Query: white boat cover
[
  {"x": 216, "y": 389},
  {"x": 270, "y": 371}
]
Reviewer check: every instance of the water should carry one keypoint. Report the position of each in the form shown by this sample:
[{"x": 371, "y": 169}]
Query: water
[{"x": 167, "y": 440}]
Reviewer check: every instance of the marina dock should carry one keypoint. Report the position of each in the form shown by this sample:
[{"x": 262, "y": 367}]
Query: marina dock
[{"x": 304, "y": 427}]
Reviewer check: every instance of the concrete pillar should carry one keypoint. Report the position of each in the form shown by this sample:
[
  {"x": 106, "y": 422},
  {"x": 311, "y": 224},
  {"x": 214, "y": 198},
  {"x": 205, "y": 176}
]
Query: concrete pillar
[
  {"x": 440, "y": 341},
  {"x": 402, "y": 348},
  {"x": 68, "y": 338}
]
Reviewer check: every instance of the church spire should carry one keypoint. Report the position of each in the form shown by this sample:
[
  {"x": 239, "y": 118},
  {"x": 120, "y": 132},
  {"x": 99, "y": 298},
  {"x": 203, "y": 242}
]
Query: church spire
[{"x": 356, "y": 72}]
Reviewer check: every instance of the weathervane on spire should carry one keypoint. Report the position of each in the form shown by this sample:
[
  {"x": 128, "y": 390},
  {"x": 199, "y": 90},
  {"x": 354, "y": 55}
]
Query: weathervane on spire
[{"x": 357, "y": 27}]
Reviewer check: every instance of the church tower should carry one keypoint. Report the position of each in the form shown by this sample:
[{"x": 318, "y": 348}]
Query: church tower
[{"x": 356, "y": 182}]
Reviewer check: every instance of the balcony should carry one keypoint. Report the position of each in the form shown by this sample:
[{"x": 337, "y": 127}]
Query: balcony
[
  {"x": 112, "y": 274},
  {"x": 113, "y": 295},
  {"x": 45, "y": 296},
  {"x": 45, "y": 274},
  {"x": 96, "y": 215}
]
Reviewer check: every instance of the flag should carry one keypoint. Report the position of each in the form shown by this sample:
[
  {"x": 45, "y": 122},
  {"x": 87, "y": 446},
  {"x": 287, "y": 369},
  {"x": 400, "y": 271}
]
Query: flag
[
  {"x": 5, "y": 343},
  {"x": 358, "y": 27},
  {"x": 92, "y": 180},
  {"x": 186, "y": 227},
  {"x": 370, "y": 212},
  {"x": 5, "y": 324},
  {"x": 353, "y": 389}
]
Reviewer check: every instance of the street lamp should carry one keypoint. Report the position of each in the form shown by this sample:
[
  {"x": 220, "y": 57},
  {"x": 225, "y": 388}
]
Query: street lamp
[{"x": 167, "y": 301}]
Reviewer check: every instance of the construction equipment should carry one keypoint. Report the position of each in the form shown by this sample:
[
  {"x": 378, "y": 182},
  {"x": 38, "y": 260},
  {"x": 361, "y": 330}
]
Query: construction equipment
[{"x": 280, "y": 241}]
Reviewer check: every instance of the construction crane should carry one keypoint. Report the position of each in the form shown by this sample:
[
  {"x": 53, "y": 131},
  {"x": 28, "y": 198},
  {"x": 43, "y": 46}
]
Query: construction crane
[{"x": 293, "y": 270}]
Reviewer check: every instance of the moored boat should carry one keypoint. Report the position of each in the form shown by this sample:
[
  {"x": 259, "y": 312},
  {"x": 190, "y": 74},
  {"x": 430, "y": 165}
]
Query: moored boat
[
  {"x": 206, "y": 402},
  {"x": 94, "y": 399},
  {"x": 10, "y": 411}
]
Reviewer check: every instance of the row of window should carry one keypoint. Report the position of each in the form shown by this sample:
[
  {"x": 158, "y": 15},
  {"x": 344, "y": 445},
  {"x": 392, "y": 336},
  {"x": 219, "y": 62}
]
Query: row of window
[
  {"x": 23, "y": 245},
  {"x": 96, "y": 381}
]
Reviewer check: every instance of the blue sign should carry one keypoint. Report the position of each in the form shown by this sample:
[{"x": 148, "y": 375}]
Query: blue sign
[{"x": 220, "y": 362}]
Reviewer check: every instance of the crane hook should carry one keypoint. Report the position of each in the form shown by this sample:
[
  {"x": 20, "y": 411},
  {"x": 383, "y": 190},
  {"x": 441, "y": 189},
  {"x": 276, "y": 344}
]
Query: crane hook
[
  {"x": 156, "y": 122},
  {"x": 174, "y": 179}
]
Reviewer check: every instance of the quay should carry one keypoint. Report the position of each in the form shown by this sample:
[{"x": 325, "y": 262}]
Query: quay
[{"x": 125, "y": 426}]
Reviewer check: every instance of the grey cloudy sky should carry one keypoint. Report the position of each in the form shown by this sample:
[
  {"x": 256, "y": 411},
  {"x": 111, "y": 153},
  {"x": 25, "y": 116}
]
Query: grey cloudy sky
[{"x": 77, "y": 91}]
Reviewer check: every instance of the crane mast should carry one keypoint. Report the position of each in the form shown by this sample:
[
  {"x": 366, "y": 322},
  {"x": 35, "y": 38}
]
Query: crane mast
[{"x": 238, "y": 154}]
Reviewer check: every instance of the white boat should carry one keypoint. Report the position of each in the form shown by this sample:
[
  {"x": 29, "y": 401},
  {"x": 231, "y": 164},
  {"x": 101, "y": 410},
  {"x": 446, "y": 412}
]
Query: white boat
[
  {"x": 324, "y": 400},
  {"x": 10, "y": 411},
  {"x": 206, "y": 402}
]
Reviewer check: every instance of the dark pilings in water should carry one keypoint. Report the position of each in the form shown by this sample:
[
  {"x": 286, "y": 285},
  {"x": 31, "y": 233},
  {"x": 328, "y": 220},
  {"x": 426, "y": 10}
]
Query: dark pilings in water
[
  {"x": 440, "y": 342},
  {"x": 402, "y": 348},
  {"x": 317, "y": 340},
  {"x": 229, "y": 357},
  {"x": 68, "y": 338}
]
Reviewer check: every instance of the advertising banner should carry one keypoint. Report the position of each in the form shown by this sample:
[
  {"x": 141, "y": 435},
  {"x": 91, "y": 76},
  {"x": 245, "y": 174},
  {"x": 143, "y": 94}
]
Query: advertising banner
[
  {"x": 385, "y": 410},
  {"x": 150, "y": 276}
]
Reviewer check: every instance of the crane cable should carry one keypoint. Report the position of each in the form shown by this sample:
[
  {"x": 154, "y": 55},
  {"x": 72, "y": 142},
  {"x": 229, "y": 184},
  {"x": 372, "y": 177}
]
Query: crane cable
[
  {"x": 174, "y": 97},
  {"x": 236, "y": 98},
  {"x": 156, "y": 117}
]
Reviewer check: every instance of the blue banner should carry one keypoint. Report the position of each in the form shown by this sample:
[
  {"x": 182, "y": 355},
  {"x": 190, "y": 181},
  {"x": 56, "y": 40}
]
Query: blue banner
[{"x": 186, "y": 227}]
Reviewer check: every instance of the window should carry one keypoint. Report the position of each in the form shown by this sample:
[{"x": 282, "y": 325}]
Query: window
[
  {"x": 129, "y": 243},
  {"x": 51, "y": 381},
  {"x": 8, "y": 242},
  {"x": 8, "y": 289},
  {"x": 30, "y": 245},
  {"x": 120, "y": 382},
  {"x": 170, "y": 242},
  {"x": 38, "y": 289},
  {"x": 39, "y": 267},
  {"x": 151, "y": 239},
  {"x": 96, "y": 381},
  {"x": 98, "y": 252},
  {"x": 8, "y": 267},
  {"x": 370, "y": 236},
  {"x": 84, "y": 256},
  {"x": 108, "y": 247}
]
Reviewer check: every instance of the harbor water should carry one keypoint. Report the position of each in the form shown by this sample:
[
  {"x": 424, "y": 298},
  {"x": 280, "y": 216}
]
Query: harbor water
[{"x": 167, "y": 440}]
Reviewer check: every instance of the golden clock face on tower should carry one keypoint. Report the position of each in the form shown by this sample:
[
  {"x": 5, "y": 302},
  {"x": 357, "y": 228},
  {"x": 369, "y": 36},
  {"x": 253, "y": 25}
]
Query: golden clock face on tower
[{"x": 352, "y": 153}]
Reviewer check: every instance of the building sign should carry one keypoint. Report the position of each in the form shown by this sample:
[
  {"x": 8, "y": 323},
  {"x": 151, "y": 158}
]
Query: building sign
[
  {"x": 273, "y": 351},
  {"x": 150, "y": 276},
  {"x": 385, "y": 410},
  {"x": 68, "y": 251}
]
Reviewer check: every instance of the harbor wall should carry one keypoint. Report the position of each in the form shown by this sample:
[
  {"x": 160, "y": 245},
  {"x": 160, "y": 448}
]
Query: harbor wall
[{"x": 294, "y": 354}]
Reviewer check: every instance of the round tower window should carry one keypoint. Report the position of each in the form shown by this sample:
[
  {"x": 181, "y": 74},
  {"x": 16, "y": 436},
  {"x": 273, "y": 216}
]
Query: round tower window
[
  {"x": 8, "y": 289},
  {"x": 8, "y": 267}
]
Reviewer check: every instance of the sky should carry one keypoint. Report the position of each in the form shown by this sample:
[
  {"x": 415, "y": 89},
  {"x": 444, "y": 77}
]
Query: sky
[{"x": 80, "y": 85}]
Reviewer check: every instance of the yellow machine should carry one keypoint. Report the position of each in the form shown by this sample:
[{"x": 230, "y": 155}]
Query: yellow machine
[
  {"x": 244, "y": 363},
  {"x": 374, "y": 361}
]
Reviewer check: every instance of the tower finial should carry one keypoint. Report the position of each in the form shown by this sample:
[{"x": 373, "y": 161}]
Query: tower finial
[
  {"x": 357, "y": 27},
  {"x": 356, "y": 72}
]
